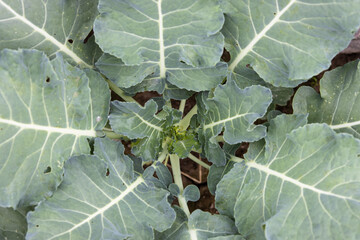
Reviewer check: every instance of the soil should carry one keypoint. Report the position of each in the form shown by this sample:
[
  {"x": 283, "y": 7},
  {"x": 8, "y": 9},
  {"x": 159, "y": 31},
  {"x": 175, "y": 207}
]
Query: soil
[{"x": 192, "y": 173}]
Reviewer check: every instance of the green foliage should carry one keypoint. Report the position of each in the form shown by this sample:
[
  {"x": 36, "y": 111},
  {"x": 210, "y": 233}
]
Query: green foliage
[{"x": 62, "y": 177}]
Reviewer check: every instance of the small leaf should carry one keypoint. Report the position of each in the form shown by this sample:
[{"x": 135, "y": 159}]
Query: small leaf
[
  {"x": 216, "y": 173},
  {"x": 136, "y": 122},
  {"x": 191, "y": 193},
  {"x": 234, "y": 110},
  {"x": 174, "y": 189},
  {"x": 163, "y": 174},
  {"x": 183, "y": 147}
]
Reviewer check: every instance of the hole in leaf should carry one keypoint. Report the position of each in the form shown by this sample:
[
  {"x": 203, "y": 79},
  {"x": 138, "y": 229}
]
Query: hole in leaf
[
  {"x": 47, "y": 79},
  {"x": 91, "y": 33},
  {"x": 70, "y": 41},
  {"x": 91, "y": 144},
  {"x": 107, "y": 172},
  {"x": 225, "y": 56},
  {"x": 47, "y": 170}
]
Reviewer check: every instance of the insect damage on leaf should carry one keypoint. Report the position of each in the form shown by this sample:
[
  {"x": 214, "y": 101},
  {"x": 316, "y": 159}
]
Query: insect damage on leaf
[{"x": 68, "y": 99}]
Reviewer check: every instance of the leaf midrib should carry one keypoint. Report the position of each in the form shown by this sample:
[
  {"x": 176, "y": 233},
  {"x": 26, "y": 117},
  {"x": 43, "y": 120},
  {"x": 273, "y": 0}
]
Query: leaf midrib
[
  {"x": 210, "y": 125},
  {"x": 282, "y": 176},
  {"x": 345, "y": 125},
  {"x": 161, "y": 42},
  {"x": 244, "y": 52},
  {"x": 99, "y": 211},
  {"x": 47, "y": 36},
  {"x": 50, "y": 129}
]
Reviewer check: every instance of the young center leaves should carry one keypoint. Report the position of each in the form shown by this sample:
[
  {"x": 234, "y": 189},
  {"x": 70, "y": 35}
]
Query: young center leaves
[
  {"x": 163, "y": 39},
  {"x": 303, "y": 184},
  {"x": 52, "y": 27},
  {"x": 338, "y": 102},
  {"x": 48, "y": 110},
  {"x": 102, "y": 197},
  {"x": 136, "y": 122},
  {"x": 287, "y": 42}
]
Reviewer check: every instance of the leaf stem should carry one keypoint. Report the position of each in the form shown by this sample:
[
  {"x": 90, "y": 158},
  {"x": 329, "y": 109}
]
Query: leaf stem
[
  {"x": 163, "y": 155},
  {"x": 235, "y": 159},
  {"x": 166, "y": 160},
  {"x": 165, "y": 151},
  {"x": 168, "y": 103},
  {"x": 112, "y": 135},
  {"x": 185, "y": 122},
  {"x": 198, "y": 161},
  {"x": 175, "y": 167},
  {"x": 119, "y": 92},
  {"x": 182, "y": 105}
]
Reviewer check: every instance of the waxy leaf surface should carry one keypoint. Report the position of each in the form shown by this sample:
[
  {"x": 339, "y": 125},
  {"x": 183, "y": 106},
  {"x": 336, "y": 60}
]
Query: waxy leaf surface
[
  {"x": 287, "y": 42},
  {"x": 137, "y": 122},
  {"x": 162, "y": 39},
  {"x": 48, "y": 110},
  {"x": 13, "y": 224},
  {"x": 102, "y": 198},
  {"x": 304, "y": 181},
  {"x": 338, "y": 102},
  {"x": 51, "y": 26},
  {"x": 233, "y": 110},
  {"x": 200, "y": 225}
]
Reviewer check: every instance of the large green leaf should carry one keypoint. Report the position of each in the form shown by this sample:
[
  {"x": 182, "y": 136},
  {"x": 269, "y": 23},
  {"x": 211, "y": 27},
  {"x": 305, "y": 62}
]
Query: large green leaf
[
  {"x": 306, "y": 181},
  {"x": 200, "y": 225},
  {"x": 235, "y": 110},
  {"x": 47, "y": 113},
  {"x": 13, "y": 225},
  {"x": 287, "y": 42},
  {"x": 172, "y": 40},
  {"x": 50, "y": 26},
  {"x": 339, "y": 101},
  {"x": 102, "y": 198}
]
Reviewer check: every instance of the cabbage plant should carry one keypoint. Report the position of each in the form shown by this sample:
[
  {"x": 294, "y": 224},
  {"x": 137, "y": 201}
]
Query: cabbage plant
[{"x": 63, "y": 170}]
